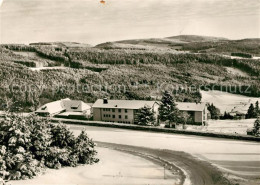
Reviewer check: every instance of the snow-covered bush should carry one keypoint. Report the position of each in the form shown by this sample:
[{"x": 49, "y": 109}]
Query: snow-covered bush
[
  {"x": 84, "y": 149},
  {"x": 29, "y": 144}
]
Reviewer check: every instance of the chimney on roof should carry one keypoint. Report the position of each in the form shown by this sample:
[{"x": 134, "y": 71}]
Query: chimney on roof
[{"x": 105, "y": 101}]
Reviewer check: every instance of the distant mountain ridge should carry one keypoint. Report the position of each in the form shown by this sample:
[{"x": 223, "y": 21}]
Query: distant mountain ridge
[
  {"x": 179, "y": 39},
  {"x": 175, "y": 44},
  {"x": 189, "y": 43},
  {"x": 197, "y": 38},
  {"x": 170, "y": 41}
]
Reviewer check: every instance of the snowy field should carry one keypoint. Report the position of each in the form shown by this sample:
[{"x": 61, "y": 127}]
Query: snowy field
[
  {"x": 230, "y": 126},
  {"x": 226, "y": 126},
  {"x": 226, "y": 101},
  {"x": 114, "y": 168},
  {"x": 236, "y": 71},
  {"x": 46, "y": 68}
]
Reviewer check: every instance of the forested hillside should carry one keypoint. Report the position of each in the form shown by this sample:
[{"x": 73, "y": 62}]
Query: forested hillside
[{"x": 93, "y": 73}]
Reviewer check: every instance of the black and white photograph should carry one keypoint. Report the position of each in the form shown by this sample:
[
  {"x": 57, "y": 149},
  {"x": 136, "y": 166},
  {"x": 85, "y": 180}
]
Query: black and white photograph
[{"x": 129, "y": 92}]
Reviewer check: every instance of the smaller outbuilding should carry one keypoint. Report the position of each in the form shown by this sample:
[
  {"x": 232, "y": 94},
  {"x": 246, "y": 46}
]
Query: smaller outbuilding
[
  {"x": 65, "y": 108},
  {"x": 239, "y": 112},
  {"x": 197, "y": 111}
]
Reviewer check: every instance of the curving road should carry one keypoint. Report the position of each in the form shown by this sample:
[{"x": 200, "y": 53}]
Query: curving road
[
  {"x": 239, "y": 158},
  {"x": 196, "y": 172}
]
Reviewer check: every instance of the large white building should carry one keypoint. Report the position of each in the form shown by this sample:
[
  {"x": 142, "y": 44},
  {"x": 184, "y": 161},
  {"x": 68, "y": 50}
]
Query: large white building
[
  {"x": 120, "y": 111},
  {"x": 125, "y": 111}
]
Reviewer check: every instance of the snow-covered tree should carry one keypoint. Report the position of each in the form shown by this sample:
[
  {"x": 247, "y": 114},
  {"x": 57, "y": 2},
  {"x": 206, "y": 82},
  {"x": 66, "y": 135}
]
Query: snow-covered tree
[
  {"x": 168, "y": 110},
  {"x": 146, "y": 116},
  {"x": 29, "y": 144}
]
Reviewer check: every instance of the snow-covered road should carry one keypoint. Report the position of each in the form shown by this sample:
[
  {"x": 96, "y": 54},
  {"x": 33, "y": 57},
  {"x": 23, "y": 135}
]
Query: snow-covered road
[{"x": 240, "y": 157}]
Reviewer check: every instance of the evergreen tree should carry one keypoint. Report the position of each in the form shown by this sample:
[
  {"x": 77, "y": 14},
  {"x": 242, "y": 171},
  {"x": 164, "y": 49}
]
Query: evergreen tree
[
  {"x": 257, "y": 110},
  {"x": 256, "y": 129},
  {"x": 251, "y": 112},
  {"x": 146, "y": 117},
  {"x": 214, "y": 111},
  {"x": 168, "y": 109},
  {"x": 225, "y": 115}
]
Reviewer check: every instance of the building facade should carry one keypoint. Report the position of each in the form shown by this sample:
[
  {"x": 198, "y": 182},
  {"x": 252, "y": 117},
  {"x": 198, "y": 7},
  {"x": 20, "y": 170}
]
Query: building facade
[
  {"x": 125, "y": 111},
  {"x": 197, "y": 111},
  {"x": 120, "y": 111}
]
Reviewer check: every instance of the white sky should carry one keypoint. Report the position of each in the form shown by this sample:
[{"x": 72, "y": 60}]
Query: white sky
[{"x": 88, "y": 21}]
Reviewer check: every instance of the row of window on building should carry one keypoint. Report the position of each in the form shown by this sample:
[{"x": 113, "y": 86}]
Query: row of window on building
[
  {"x": 114, "y": 110},
  {"x": 114, "y": 116},
  {"x": 127, "y": 122}
]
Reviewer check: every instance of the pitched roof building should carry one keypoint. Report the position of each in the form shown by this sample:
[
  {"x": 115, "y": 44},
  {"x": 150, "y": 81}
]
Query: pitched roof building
[
  {"x": 121, "y": 111},
  {"x": 197, "y": 111},
  {"x": 64, "y": 107},
  {"x": 125, "y": 111},
  {"x": 187, "y": 106},
  {"x": 50, "y": 109}
]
